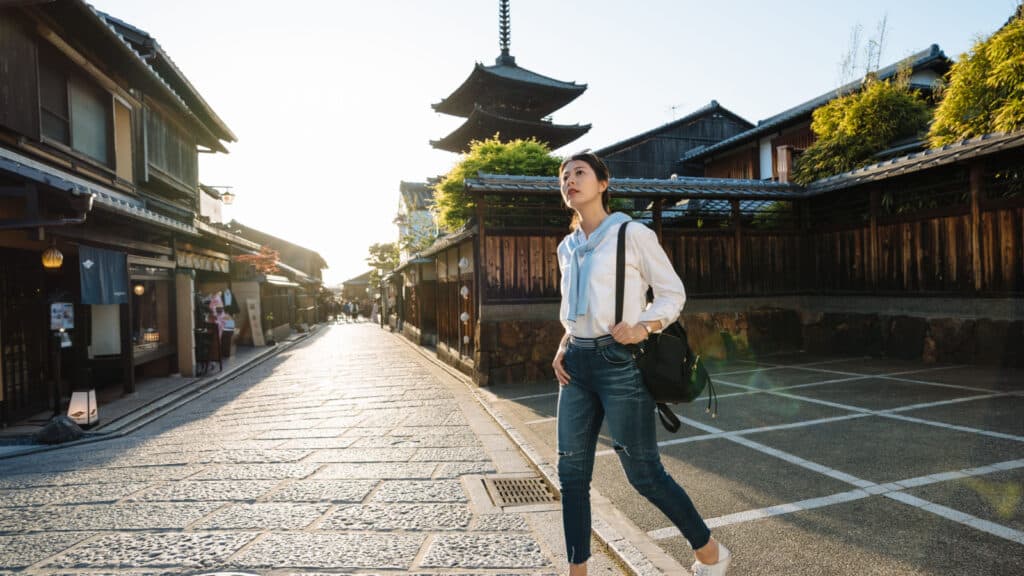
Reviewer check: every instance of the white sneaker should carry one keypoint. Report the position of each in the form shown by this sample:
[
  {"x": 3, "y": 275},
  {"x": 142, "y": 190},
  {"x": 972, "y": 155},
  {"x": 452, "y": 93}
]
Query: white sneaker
[{"x": 716, "y": 569}]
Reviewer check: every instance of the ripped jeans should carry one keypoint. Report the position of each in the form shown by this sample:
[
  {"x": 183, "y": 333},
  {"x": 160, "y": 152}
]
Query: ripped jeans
[{"x": 604, "y": 381}]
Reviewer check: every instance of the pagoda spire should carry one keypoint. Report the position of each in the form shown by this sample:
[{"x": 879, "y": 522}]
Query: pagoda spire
[{"x": 504, "y": 33}]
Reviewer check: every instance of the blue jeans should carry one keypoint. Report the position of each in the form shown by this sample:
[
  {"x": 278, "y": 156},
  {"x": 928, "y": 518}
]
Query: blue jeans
[{"x": 604, "y": 381}]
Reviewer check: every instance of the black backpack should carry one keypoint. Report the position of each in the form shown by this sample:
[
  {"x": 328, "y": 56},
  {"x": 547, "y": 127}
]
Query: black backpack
[{"x": 672, "y": 372}]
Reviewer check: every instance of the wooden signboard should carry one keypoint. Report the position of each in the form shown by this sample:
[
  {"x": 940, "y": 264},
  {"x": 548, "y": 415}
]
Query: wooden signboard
[{"x": 255, "y": 325}]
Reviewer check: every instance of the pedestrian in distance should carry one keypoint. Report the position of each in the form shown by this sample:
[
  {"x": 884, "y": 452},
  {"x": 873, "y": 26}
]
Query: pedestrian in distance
[{"x": 597, "y": 373}]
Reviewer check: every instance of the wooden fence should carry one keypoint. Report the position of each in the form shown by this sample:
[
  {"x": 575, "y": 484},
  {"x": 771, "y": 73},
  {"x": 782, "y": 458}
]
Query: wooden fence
[{"x": 955, "y": 231}]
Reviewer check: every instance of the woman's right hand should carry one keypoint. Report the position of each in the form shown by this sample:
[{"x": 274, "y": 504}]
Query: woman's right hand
[{"x": 559, "y": 365}]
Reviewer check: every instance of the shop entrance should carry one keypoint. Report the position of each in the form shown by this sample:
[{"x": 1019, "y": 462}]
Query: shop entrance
[{"x": 23, "y": 336}]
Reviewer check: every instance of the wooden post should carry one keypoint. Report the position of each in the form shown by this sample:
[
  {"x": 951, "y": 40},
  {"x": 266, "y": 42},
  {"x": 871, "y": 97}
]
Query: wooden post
[
  {"x": 873, "y": 248},
  {"x": 480, "y": 255},
  {"x": 128, "y": 349},
  {"x": 656, "y": 213},
  {"x": 977, "y": 184},
  {"x": 185, "y": 320},
  {"x": 738, "y": 239},
  {"x": 481, "y": 363}
]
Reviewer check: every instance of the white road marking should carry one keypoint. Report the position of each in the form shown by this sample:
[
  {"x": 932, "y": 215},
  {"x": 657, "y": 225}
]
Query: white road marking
[
  {"x": 959, "y": 517},
  {"x": 891, "y": 490}
]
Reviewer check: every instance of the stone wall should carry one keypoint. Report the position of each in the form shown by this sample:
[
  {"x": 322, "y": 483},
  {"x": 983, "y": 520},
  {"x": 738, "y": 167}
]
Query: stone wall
[
  {"x": 516, "y": 343},
  {"x": 516, "y": 350},
  {"x": 931, "y": 340}
]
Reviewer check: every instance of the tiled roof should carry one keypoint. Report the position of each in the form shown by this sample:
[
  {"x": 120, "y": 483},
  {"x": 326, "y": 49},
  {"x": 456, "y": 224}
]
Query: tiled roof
[
  {"x": 104, "y": 198},
  {"x": 417, "y": 195},
  {"x": 924, "y": 58},
  {"x": 483, "y": 124},
  {"x": 512, "y": 83},
  {"x": 710, "y": 108},
  {"x": 139, "y": 37},
  {"x": 683, "y": 187},
  {"x": 931, "y": 158}
]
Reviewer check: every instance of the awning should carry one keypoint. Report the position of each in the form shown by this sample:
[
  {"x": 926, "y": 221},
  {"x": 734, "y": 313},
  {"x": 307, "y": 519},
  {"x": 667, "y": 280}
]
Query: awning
[
  {"x": 105, "y": 198},
  {"x": 279, "y": 280}
]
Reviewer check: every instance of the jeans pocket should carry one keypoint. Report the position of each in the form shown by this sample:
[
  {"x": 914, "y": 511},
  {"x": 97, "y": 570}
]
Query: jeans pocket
[{"x": 616, "y": 354}]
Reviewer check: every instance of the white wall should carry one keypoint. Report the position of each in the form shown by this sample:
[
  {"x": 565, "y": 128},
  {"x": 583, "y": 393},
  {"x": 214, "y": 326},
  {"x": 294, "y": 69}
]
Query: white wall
[{"x": 765, "y": 158}]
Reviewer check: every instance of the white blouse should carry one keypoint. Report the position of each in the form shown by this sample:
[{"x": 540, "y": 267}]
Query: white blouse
[{"x": 646, "y": 265}]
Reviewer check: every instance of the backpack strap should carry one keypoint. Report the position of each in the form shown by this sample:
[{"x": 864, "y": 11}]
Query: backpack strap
[
  {"x": 665, "y": 414},
  {"x": 620, "y": 272}
]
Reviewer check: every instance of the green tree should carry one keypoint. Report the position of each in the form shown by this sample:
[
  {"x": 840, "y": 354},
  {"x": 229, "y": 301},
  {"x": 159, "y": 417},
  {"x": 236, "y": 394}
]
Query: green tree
[
  {"x": 985, "y": 90},
  {"x": 453, "y": 205},
  {"x": 854, "y": 127},
  {"x": 383, "y": 258}
]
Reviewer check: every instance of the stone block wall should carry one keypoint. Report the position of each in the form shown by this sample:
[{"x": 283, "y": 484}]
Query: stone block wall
[
  {"x": 517, "y": 343},
  {"x": 931, "y": 340},
  {"x": 516, "y": 350}
]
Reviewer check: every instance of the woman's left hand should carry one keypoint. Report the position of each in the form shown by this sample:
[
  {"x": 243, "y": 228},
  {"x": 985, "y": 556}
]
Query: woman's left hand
[{"x": 625, "y": 333}]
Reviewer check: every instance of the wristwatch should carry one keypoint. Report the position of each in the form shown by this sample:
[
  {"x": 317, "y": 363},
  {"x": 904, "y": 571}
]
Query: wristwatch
[{"x": 648, "y": 328}]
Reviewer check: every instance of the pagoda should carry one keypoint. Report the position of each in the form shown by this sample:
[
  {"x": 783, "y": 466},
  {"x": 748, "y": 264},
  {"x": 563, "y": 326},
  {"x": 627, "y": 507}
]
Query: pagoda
[{"x": 510, "y": 101}]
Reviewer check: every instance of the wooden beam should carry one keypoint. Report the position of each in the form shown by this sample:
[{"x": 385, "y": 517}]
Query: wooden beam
[
  {"x": 111, "y": 240},
  {"x": 875, "y": 209},
  {"x": 480, "y": 254},
  {"x": 738, "y": 240},
  {"x": 977, "y": 184},
  {"x": 657, "y": 204}
]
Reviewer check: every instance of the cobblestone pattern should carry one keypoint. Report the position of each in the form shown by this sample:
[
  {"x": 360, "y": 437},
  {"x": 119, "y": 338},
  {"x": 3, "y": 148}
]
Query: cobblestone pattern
[{"x": 342, "y": 455}]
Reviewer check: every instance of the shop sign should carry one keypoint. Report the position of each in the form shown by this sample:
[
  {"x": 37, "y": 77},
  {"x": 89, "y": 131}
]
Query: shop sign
[{"x": 62, "y": 316}]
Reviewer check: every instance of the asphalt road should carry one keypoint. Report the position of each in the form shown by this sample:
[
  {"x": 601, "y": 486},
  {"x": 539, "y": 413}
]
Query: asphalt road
[{"x": 838, "y": 466}]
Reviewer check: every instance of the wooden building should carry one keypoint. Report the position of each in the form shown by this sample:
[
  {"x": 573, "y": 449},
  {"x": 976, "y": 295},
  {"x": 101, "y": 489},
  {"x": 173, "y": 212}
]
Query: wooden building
[
  {"x": 767, "y": 151},
  {"x": 416, "y": 227},
  {"x": 99, "y": 141},
  {"x": 291, "y": 295},
  {"x": 655, "y": 153},
  {"x": 510, "y": 101}
]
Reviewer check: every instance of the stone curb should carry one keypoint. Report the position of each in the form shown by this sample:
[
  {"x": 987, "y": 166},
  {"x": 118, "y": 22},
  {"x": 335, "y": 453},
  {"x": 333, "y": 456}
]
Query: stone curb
[
  {"x": 629, "y": 545},
  {"x": 147, "y": 413}
]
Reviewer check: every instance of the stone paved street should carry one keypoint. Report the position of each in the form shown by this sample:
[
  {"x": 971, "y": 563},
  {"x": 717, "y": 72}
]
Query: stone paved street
[{"x": 348, "y": 453}]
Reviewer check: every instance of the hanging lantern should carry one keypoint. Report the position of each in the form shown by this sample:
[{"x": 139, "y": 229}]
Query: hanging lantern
[
  {"x": 464, "y": 291},
  {"x": 52, "y": 258},
  {"x": 465, "y": 339},
  {"x": 464, "y": 316},
  {"x": 463, "y": 263},
  {"x": 139, "y": 289}
]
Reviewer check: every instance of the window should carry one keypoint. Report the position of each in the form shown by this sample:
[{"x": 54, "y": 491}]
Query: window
[
  {"x": 90, "y": 121},
  {"x": 171, "y": 150},
  {"x": 53, "y": 104},
  {"x": 74, "y": 111}
]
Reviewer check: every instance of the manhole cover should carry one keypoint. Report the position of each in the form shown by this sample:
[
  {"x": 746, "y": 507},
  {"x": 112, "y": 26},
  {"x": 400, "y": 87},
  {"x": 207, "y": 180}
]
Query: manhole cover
[{"x": 518, "y": 491}]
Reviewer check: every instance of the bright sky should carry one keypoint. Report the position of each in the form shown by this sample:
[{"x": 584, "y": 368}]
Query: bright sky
[{"x": 330, "y": 99}]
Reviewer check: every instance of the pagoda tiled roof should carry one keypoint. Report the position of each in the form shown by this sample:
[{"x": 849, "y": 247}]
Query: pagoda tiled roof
[
  {"x": 483, "y": 124},
  {"x": 514, "y": 89}
]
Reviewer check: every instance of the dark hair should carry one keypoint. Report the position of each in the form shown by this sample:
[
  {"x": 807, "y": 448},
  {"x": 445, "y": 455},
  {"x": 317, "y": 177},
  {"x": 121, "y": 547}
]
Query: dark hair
[{"x": 600, "y": 170}]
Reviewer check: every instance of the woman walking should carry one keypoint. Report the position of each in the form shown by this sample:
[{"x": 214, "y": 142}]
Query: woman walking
[{"x": 597, "y": 373}]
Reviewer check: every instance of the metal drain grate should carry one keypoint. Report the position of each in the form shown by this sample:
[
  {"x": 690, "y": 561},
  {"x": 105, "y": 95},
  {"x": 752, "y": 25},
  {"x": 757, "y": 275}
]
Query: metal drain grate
[{"x": 518, "y": 491}]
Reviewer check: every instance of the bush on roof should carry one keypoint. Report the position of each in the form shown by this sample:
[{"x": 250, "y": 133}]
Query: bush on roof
[
  {"x": 453, "y": 205},
  {"x": 985, "y": 90},
  {"x": 851, "y": 129}
]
